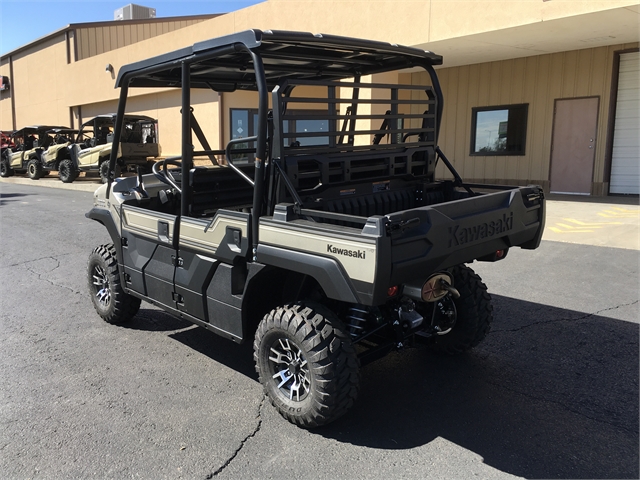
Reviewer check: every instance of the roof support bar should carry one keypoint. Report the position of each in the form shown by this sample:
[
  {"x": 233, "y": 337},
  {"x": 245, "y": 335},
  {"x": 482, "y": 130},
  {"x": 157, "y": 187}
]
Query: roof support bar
[
  {"x": 261, "y": 148},
  {"x": 187, "y": 143},
  {"x": 117, "y": 132}
]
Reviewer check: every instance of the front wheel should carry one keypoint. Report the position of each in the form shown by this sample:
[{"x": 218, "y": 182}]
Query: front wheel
[
  {"x": 5, "y": 168},
  {"x": 306, "y": 362},
  {"x": 34, "y": 169},
  {"x": 474, "y": 314},
  {"x": 67, "y": 171},
  {"x": 104, "y": 171},
  {"x": 109, "y": 299}
]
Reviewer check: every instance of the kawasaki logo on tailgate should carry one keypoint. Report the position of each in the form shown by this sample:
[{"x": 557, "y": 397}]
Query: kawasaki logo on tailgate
[
  {"x": 346, "y": 252},
  {"x": 461, "y": 235}
]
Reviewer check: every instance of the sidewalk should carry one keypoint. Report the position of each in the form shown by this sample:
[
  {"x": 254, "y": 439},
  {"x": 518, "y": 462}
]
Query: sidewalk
[
  {"x": 85, "y": 184},
  {"x": 600, "y": 221}
]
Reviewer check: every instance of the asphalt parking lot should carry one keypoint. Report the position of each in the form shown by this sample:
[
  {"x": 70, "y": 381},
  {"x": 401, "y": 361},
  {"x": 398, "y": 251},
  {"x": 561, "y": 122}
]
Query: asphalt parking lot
[{"x": 551, "y": 393}]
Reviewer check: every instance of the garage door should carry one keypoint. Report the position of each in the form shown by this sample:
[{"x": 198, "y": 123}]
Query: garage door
[{"x": 625, "y": 162}]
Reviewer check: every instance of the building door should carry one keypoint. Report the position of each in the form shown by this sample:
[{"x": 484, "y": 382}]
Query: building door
[
  {"x": 625, "y": 158},
  {"x": 575, "y": 124}
]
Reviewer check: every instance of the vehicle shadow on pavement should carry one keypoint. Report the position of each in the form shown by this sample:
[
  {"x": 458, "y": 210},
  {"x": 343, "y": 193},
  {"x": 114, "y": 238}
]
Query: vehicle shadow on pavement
[
  {"x": 152, "y": 320},
  {"x": 237, "y": 357},
  {"x": 228, "y": 353},
  {"x": 4, "y": 197},
  {"x": 553, "y": 394}
]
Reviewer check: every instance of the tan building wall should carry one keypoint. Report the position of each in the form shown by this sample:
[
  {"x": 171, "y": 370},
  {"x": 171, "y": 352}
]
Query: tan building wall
[
  {"x": 40, "y": 85},
  {"x": 537, "y": 81},
  {"x": 46, "y": 89},
  {"x": 94, "y": 40}
]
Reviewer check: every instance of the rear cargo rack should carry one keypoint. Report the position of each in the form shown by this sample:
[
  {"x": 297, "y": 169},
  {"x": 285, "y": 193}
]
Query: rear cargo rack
[{"x": 363, "y": 131}]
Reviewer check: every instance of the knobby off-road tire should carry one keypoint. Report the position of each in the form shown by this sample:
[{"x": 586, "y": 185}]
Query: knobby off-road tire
[
  {"x": 475, "y": 314},
  {"x": 34, "y": 169},
  {"x": 108, "y": 297},
  {"x": 306, "y": 363},
  {"x": 104, "y": 171},
  {"x": 5, "y": 169},
  {"x": 67, "y": 171}
]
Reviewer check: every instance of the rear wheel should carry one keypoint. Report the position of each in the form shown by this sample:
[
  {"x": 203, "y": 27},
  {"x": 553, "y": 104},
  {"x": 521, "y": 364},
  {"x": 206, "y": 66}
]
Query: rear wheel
[
  {"x": 34, "y": 169},
  {"x": 67, "y": 171},
  {"x": 474, "y": 314},
  {"x": 306, "y": 363},
  {"x": 109, "y": 299}
]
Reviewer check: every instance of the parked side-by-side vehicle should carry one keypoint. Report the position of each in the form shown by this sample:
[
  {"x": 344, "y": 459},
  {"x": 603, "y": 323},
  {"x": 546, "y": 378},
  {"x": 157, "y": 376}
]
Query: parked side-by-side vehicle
[
  {"x": 40, "y": 149},
  {"x": 138, "y": 145},
  {"x": 334, "y": 244},
  {"x": 25, "y": 156}
]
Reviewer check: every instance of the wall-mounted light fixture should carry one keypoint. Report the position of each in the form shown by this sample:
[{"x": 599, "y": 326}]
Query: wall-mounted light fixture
[{"x": 109, "y": 68}]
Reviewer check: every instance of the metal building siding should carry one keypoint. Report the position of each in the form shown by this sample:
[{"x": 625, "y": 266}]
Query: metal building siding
[
  {"x": 536, "y": 80},
  {"x": 93, "y": 41},
  {"x": 625, "y": 161}
]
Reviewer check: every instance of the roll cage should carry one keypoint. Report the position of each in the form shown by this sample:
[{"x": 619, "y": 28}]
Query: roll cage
[{"x": 275, "y": 62}]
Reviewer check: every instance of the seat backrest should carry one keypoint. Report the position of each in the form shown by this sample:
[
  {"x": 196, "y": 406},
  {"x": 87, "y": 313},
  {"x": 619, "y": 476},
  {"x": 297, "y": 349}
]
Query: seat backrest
[{"x": 219, "y": 187}]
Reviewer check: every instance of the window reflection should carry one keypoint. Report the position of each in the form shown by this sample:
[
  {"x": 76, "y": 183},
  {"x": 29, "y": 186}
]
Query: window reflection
[{"x": 499, "y": 130}]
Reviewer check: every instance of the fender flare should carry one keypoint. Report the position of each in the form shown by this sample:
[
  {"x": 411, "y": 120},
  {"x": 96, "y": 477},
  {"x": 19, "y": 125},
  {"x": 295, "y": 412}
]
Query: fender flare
[
  {"x": 326, "y": 271},
  {"x": 104, "y": 217}
]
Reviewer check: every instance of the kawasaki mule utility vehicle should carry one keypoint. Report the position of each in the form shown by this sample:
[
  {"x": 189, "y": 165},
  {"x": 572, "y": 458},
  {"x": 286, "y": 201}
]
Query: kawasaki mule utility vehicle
[
  {"x": 333, "y": 243},
  {"x": 138, "y": 143}
]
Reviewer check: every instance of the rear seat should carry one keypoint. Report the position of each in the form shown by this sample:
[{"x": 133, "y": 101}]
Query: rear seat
[{"x": 219, "y": 187}]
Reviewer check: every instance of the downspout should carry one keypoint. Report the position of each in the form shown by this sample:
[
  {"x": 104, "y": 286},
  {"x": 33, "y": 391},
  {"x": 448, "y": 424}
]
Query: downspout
[{"x": 12, "y": 91}]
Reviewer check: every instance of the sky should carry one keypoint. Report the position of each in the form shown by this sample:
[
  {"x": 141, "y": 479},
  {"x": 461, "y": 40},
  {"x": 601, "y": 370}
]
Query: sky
[{"x": 22, "y": 21}]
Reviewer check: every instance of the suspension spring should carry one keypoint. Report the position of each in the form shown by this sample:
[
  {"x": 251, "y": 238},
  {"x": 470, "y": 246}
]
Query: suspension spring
[{"x": 356, "y": 319}]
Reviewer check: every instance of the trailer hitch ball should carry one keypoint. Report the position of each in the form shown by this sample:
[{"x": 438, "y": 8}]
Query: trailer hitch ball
[{"x": 437, "y": 286}]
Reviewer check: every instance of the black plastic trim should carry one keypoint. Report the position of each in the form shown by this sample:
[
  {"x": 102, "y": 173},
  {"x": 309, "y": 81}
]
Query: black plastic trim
[
  {"x": 103, "y": 216},
  {"x": 327, "y": 272}
]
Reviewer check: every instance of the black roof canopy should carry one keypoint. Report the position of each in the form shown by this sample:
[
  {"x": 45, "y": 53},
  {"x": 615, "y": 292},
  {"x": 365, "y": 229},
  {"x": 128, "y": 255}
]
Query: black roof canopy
[
  {"x": 226, "y": 64},
  {"x": 37, "y": 129},
  {"x": 110, "y": 118}
]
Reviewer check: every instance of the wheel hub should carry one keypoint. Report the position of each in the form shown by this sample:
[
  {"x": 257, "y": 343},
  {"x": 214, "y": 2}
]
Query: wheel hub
[
  {"x": 101, "y": 282},
  {"x": 290, "y": 370}
]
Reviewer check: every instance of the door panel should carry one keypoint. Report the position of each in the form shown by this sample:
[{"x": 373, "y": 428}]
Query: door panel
[
  {"x": 212, "y": 268},
  {"x": 192, "y": 278},
  {"x": 224, "y": 237},
  {"x": 148, "y": 254},
  {"x": 575, "y": 125},
  {"x": 158, "y": 276}
]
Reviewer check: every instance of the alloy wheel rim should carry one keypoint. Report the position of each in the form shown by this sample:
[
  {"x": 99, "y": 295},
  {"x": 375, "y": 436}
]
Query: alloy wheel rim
[
  {"x": 290, "y": 369},
  {"x": 101, "y": 283}
]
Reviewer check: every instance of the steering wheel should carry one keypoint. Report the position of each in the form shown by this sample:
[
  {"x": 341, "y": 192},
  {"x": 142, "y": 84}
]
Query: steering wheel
[{"x": 164, "y": 175}]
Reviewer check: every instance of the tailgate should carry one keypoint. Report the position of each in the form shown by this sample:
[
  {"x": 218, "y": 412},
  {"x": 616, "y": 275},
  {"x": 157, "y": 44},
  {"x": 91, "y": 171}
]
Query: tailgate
[{"x": 431, "y": 238}]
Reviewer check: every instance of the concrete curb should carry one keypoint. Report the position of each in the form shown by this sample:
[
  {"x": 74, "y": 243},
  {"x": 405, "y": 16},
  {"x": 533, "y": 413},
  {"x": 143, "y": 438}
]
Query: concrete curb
[{"x": 80, "y": 184}]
